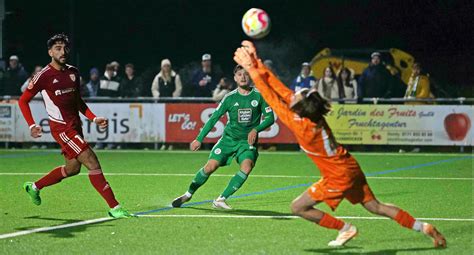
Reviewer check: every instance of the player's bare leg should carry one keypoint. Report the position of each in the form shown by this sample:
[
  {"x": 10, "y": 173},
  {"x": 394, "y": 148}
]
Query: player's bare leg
[
  {"x": 199, "y": 179},
  {"x": 303, "y": 206},
  {"x": 235, "y": 184},
  {"x": 406, "y": 220},
  {"x": 72, "y": 167},
  {"x": 96, "y": 177}
]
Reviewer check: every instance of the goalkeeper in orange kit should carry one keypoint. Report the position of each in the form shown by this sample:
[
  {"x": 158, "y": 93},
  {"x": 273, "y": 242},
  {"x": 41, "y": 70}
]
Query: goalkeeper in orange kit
[{"x": 342, "y": 178}]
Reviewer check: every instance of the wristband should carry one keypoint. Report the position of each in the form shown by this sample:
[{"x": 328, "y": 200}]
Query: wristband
[{"x": 32, "y": 126}]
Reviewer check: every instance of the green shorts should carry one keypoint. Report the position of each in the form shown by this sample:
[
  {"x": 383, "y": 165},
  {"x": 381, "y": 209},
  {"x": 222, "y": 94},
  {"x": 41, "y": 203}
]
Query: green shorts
[{"x": 227, "y": 148}]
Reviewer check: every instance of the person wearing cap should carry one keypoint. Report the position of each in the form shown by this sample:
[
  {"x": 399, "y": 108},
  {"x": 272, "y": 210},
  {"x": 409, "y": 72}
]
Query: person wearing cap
[
  {"x": 167, "y": 82},
  {"x": 14, "y": 77},
  {"x": 204, "y": 80},
  {"x": 92, "y": 86},
  {"x": 375, "y": 81},
  {"x": 304, "y": 80}
]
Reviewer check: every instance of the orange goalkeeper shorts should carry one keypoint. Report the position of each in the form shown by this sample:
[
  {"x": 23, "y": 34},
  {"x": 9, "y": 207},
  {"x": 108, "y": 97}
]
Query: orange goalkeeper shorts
[{"x": 358, "y": 192}]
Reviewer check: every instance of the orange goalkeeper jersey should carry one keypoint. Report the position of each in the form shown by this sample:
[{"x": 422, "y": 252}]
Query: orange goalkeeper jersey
[{"x": 339, "y": 169}]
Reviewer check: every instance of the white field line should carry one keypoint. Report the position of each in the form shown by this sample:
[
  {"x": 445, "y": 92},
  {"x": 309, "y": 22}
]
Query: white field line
[
  {"x": 44, "y": 229},
  {"x": 265, "y": 176},
  {"x": 286, "y": 217},
  {"x": 87, "y": 222},
  {"x": 261, "y": 152}
]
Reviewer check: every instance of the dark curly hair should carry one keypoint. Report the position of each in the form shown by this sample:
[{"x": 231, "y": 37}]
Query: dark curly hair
[{"x": 57, "y": 38}]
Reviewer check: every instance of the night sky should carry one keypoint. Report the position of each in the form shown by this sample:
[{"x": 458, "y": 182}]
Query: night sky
[{"x": 439, "y": 34}]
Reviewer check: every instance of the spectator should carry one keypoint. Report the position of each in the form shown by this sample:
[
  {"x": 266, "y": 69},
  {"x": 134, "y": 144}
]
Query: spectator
[
  {"x": 418, "y": 85},
  {"x": 327, "y": 85},
  {"x": 304, "y": 80},
  {"x": 376, "y": 80},
  {"x": 167, "y": 82},
  {"x": 92, "y": 87},
  {"x": 131, "y": 85},
  {"x": 14, "y": 77},
  {"x": 204, "y": 80},
  {"x": 347, "y": 84},
  {"x": 224, "y": 87},
  {"x": 27, "y": 82},
  {"x": 116, "y": 66},
  {"x": 109, "y": 84}
]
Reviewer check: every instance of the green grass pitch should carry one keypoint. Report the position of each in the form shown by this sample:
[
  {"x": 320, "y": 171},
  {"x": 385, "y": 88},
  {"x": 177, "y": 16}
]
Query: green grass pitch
[{"x": 435, "y": 186}]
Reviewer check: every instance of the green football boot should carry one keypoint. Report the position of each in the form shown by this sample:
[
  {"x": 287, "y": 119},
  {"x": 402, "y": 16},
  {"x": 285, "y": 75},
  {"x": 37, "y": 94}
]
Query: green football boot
[
  {"x": 34, "y": 194},
  {"x": 120, "y": 213}
]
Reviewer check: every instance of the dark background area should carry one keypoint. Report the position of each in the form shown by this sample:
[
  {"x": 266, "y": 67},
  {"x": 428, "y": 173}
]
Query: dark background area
[{"x": 439, "y": 34}]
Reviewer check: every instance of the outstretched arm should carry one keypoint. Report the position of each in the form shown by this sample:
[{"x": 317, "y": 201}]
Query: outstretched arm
[
  {"x": 268, "y": 87},
  {"x": 275, "y": 84}
]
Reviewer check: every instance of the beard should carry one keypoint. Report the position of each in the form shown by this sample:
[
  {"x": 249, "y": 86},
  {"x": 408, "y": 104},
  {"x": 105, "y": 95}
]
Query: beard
[{"x": 60, "y": 61}]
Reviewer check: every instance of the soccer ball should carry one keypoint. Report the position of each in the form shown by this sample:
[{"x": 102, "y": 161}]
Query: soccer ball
[{"x": 256, "y": 23}]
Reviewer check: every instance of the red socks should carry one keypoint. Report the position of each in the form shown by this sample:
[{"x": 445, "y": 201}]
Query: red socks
[
  {"x": 328, "y": 221},
  {"x": 51, "y": 178},
  {"x": 100, "y": 184},
  {"x": 405, "y": 219}
]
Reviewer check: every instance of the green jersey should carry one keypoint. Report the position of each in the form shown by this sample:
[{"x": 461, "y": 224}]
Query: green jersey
[{"x": 244, "y": 113}]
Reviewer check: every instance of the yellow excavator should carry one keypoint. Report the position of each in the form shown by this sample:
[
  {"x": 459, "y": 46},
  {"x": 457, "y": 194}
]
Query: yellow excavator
[{"x": 398, "y": 62}]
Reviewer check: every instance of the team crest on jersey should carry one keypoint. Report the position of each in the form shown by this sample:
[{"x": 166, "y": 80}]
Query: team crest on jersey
[
  {"x": 73, "y": 77},
  {"x": 254, "y": 103},
  {"x": 217, "y": 151}
]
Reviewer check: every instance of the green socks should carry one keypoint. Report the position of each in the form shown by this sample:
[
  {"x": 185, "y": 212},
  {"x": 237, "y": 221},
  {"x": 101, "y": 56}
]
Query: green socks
[
  {"x": 199, "y": 180},
  {"x": 235, "y": 183}
]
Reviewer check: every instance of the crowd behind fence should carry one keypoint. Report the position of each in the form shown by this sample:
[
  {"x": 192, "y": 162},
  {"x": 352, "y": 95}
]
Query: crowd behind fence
[{"x": 208, "y": 83}]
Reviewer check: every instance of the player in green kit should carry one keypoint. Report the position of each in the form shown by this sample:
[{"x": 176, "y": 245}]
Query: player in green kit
[{"x": 244, "y": 107}]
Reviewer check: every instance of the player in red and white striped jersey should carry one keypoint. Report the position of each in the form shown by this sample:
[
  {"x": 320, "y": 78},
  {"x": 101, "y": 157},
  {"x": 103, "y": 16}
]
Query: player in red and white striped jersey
[{"x": 59, "y": 85}]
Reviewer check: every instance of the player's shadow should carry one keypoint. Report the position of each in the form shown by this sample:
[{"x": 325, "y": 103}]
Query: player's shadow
[
  {"x": 342, "y": 250},
  {"x": 245, "y": 212},
  {"x": 67, "y": 232}
]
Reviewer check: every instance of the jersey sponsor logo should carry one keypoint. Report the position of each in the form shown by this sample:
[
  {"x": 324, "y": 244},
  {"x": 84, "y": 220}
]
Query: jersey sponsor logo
[
  {"x": 236, "y": 104},
  {"x": 73, "y": 77},
  {"x": 55, "y": 81},
  {"x": 64, "y": 91},
  {"x": 245, "y": 115},
  {"x": 217, "y": 151},
  {"x": 254, "y": 103},
  {"x": 268, "y": 109}
]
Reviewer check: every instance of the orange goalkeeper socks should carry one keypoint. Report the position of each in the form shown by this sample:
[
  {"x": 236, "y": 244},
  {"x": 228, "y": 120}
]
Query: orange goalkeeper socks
[
  {"x": 405, "y": 219},
  {"x": 328, "y": 221}
]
